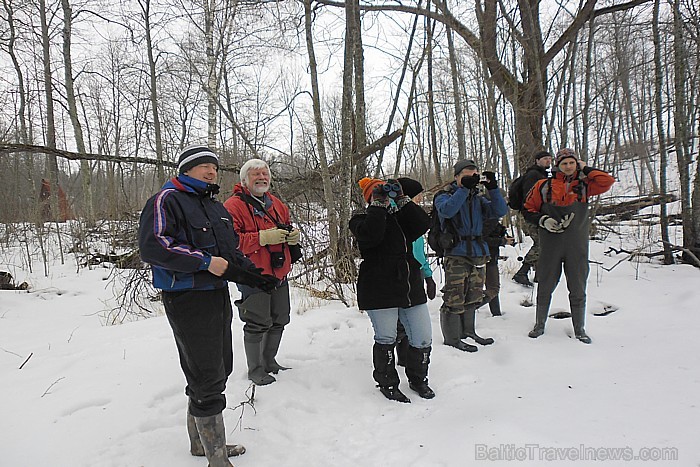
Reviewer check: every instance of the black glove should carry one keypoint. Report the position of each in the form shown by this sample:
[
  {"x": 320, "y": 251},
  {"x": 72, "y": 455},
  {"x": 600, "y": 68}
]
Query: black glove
[
  {"x": 491, "y": 181},
  {"x": 250, "y": 276},
  {"x": 430, "y": 287},
  {"x": 469, "y": 181}
]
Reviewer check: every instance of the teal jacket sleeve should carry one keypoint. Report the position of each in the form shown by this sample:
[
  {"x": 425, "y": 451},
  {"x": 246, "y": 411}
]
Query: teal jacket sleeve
[{"x": 419, "y": 254}]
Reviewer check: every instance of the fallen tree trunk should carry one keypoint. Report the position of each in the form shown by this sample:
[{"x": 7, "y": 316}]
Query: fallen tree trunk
[{"x": 626, "y": 209}]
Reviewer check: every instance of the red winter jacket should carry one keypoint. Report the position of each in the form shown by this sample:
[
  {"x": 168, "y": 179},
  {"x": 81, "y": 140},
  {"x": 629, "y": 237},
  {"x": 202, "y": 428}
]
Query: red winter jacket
[{"x": 248, "y": 221}]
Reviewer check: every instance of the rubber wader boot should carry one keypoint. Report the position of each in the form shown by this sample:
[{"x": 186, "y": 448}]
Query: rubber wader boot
[
  {"x": 271, "y": 344},
  {"x": 417, "y": 371},
  {"x": 521, "y": 276},
  {"x": 578, "y": 317},
  {"x": 468, "y": 330},
  {"x": 451, "y": 326},
  {"x": 196, "y": 448},
  {"x": 495, "y": 306},
  {"x": 385, "y": 372},
  {"x": 540, "y": 320},
  {"x": 253, "y": 355},
  {"x": 213, "y": 437}
]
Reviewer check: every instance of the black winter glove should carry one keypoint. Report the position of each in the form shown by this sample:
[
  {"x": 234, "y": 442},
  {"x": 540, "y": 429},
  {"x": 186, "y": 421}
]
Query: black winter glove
[
  {"x": 491, "y": 181},
  {"x": 430, "y": 287},
  {"x": 469, "y": 181},
  {"x": 250, "y": 276}
]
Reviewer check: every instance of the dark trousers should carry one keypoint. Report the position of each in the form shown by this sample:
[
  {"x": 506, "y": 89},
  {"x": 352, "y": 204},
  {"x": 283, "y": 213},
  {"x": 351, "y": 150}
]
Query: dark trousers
[
  {"x": 262, "y": 312},
  {"x": 493, "y": 280},
  {"x": 201, "y": 324}
]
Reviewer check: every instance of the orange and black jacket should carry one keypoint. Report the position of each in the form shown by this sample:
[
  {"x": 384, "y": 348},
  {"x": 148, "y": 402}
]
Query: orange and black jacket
[{"x": 561, "y": 190}]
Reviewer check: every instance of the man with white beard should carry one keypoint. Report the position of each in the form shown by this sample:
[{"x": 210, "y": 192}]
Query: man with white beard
[{"x": 268, "y": 239}]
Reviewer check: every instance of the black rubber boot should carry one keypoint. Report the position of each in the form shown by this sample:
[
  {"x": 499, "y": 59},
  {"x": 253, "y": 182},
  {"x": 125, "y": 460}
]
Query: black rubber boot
[
  {"x": 468, "y": 330},
  {"x": 270, "y": 345},
  {"x": 521, "y": 276},
  {"x": 385, "y": 372},
  {"x": 451, "y": 327},
  {"x": 417, "y": 371},
  {"x": 495, "y": 306},
  {"x": 196, "y": 447},
  {"x": 578, "y": 318},
  {"x": 537, "y": 331},
  {"x": 253, "y": 354},
  {"x": 213, "y": 437}
]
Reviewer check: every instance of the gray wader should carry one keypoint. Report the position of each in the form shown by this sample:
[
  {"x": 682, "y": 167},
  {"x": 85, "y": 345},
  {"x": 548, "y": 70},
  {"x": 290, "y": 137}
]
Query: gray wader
[{"x": 567, "y": 250}]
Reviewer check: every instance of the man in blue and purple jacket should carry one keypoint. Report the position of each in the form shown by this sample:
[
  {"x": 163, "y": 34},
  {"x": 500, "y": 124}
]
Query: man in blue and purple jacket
[{"x": 187, "y": 237}]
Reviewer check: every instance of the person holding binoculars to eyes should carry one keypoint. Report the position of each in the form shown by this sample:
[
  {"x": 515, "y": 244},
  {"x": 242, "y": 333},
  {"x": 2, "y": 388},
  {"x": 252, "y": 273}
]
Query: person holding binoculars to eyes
[
  {"x": 390, "y": 284},
  {"x": 267, "y": 238},
  {"x": 465, "y": 263}
]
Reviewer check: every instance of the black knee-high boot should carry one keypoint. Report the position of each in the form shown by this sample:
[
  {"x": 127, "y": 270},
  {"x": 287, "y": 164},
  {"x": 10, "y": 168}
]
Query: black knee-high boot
[
  {"x": 417, "y": 371},
  {"x": 468, "y": 327},
  {"x": 385, "y": 372}
]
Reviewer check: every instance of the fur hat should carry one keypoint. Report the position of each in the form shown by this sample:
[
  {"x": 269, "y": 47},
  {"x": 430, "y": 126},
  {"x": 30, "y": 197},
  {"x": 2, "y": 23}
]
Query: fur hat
[
  {"x": 192, "y": 156},
  {"x": 465, "y": 164},
  {"x": 367, "y": 185},
  {"x": 410, "y": 187},
  {"x": 565, "y": 153}
]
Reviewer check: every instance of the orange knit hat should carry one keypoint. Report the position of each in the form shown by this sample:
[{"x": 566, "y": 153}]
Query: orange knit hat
[{"x": 367, "y": 185}]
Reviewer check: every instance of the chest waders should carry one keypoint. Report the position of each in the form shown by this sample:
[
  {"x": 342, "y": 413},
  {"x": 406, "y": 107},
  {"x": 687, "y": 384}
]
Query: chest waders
[{"x": 567, "y": 250}]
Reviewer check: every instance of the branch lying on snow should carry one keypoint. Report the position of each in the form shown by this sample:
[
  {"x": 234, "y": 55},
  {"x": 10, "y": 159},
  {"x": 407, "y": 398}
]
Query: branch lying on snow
[
  {"x": 684, "y": 250},
  {"x": 52, "y": 385}
]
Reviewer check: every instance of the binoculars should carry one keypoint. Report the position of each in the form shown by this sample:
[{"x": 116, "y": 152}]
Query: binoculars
[{"x": 391, "y": 190}]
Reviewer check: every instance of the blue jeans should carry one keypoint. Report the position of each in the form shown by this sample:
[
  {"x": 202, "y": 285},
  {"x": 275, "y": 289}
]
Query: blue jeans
[{"x": 416, "y": 321}]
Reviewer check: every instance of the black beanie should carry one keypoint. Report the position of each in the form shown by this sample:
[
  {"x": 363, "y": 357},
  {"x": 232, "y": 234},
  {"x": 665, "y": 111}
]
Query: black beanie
[
  {"x": 410, "y": 187},
  {"x": 542, "y": 154},
  {"x": 194, "y": 155}
]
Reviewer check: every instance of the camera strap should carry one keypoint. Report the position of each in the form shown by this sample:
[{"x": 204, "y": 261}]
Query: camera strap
[{"x": 254, "y": 202}]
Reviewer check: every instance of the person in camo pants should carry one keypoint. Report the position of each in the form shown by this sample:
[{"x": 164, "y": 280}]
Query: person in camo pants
[{"x": 465, "y": 262}]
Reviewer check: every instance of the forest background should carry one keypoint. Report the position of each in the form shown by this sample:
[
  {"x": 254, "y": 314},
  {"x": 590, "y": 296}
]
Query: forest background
[{"x": 98, "y": 98}]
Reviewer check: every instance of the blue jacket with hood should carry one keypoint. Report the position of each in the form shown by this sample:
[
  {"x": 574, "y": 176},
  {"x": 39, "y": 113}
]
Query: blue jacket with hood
[
  {"x": 181, "y": 228},
  {"x": 467, "y": 209}
]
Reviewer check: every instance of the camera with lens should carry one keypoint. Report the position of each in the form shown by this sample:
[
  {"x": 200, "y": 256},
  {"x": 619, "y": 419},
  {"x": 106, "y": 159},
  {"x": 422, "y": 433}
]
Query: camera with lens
[
  {"x": 276, "y": 259},
  {"x": 286, "y": 227}
]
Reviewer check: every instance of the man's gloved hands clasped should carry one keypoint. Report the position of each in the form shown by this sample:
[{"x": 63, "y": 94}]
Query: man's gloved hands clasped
[
  {"x": 555, "y": 226},
  {"x": 469, "y": 181},
  {"x": 250, "y": 276},
  {"x": 491, "y": 181},
  {"x": 273, "y": 236}
]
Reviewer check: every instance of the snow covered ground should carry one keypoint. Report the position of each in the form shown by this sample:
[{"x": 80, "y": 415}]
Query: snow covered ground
[{"x": 95, "y": 395}]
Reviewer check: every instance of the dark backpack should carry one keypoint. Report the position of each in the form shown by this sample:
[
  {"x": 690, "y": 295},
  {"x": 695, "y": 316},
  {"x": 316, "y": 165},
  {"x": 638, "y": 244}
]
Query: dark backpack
[
  {"x": 516, "y": 197},
  {"x": 440, "y": 239}
]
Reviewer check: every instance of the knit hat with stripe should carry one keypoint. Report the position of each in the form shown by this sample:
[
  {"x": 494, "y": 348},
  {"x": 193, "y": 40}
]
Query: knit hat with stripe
[{"x": 194, "y": 155}]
